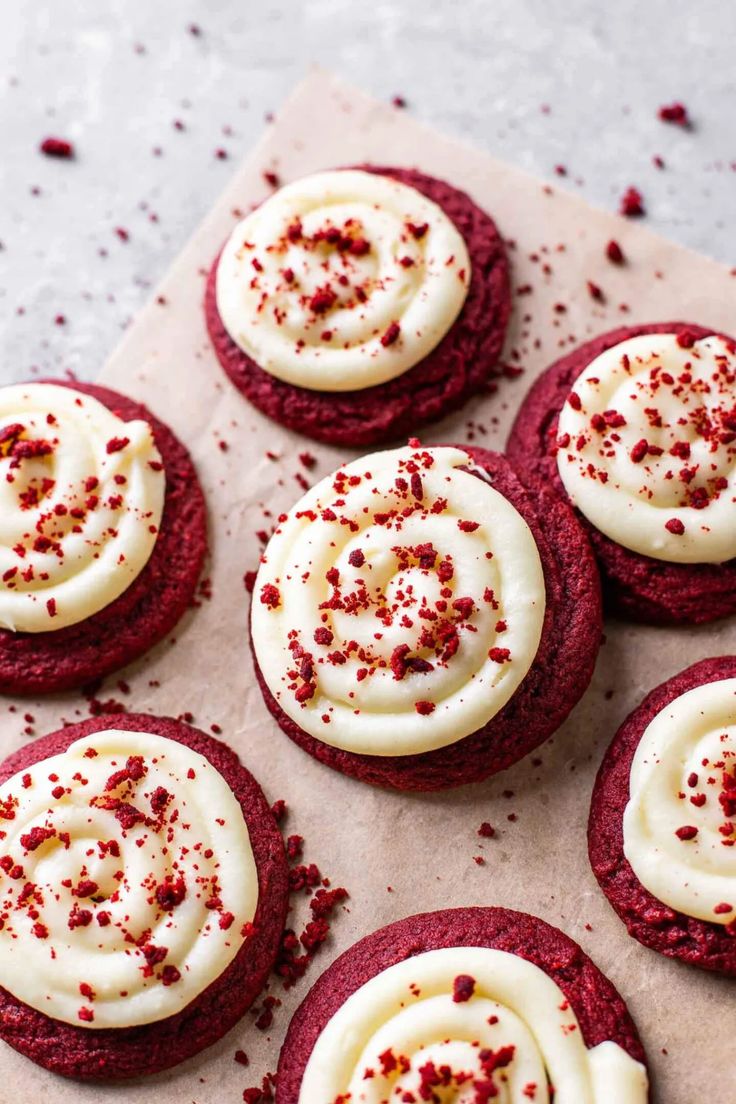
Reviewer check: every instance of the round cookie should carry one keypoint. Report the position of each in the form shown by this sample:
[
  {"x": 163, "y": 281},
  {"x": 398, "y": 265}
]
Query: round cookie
[
  {"x": 462, "y": 364},
  {"x": 601, "y": 1012},
  {"x": 46, "y": 662},
  {"x": 635, "y": 586},
  {"x": 558, "y": 676},
  {"x": 110, "y": 1053},
  {"x": 697, "y": 942}
]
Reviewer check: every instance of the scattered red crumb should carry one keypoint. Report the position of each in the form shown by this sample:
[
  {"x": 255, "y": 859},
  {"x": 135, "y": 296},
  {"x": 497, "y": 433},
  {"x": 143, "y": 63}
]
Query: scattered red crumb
[
  {"x": 122, "y": 233},
  {"x": 57, "y": 147},
  {"x": 595, "y": 292},
  {"x": 98, "y": 708},
  {"x": 264, "y": 1094},
  {"x": 675, "y": 113},
  {"x": 294, "y": 847},
  {"x": 278, "y": 810},
  {"x": 249, "y": 580},
  {"x": 270, "y": 596},
  {"x": 221, "y": 154},
  {"x": 486, "y": 830},
  {"x": 686, "y": 339},
  {"x": 398, "y": 100},
  {"x": 264, "y": 1012},
  {"x": 297, "y": 951},
  {"x": 632, "y": 203},
  {"x": 272, "y": 179},
  {"x": 463, "y": 988},
  {"x": 615, "y": 253},
  {"x": 241, "y": 1058}
]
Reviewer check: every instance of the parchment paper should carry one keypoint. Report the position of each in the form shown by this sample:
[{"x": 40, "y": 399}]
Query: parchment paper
[{"x": 422, "y": 847}]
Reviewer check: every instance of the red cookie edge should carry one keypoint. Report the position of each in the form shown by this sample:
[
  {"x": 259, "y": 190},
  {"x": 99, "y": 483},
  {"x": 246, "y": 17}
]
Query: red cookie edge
[
  {"x": 47, "y": 662},
  {"x": 556, "y": 681},
  {"x": 463, "y": 363},
  {"x": 113, "y": 1053},
  {"x": 635, "y": 587},
  {"x": 652, "y": 923},
  {"x": 600, "y": 1009}
]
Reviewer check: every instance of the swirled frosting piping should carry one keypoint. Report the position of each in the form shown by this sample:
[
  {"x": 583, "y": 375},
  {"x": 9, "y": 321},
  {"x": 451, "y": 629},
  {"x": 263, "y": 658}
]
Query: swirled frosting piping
[
  {"x": 342, "y": 280},
  {"x": 399, "y": 604},
  {"x": 646, "y": 446},
  {"x": 680, "y": 822},
  {"x": 127, "y": 880},
  {"x": 81, "y": 499},
  {"x": 463, "y": 1025}
]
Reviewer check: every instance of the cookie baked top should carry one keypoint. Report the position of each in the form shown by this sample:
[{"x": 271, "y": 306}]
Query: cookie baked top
[
  {"x": 81, "y": 498},
  {"x": 342, "y": 280},
  {"x": 646, "y": 446},
  {"x": 459, "y": 1019},
  {"x": 399, "y": 604},
  {"x": 127, "y": 879}
]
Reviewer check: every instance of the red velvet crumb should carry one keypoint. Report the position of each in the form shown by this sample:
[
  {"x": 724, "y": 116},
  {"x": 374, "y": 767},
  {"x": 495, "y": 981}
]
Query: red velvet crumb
[
  {"x": 463, "y": 988},
  {"x": 674, "y": 113},
  {"x": 632, "y": 203},
  {"x": 615, "y": 253},
  {"x": 57, "y": 147}
]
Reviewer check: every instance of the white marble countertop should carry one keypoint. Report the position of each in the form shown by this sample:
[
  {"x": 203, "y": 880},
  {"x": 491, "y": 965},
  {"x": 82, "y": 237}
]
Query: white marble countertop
[{"x": 543, "y": 83}]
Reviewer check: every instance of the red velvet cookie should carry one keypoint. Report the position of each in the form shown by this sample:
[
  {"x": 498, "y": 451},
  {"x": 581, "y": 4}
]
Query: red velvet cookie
[
  {"x": 462, "y": 364},
  {"x": 111, "y": 1053},
  {"x": 558, "y": 676},
  {"x": 635, "y": 586},
  {"x": 698, "y": 942},
  {"x": 45, "y": 662},
  {"x": 601, "y": 1012}
]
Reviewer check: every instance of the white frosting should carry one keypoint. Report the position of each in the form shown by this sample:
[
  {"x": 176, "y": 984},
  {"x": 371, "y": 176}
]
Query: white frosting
[
  {"x": 319, "y": 312},
  {"x": 128, "y": 843},
  {"x": 408, "y": 1013},
  {"x": 79, "y": 514},
  {"x": 650, "y": 455},
  {"x": 399, "y": 604},
  {"x": 681, "y": 775}
]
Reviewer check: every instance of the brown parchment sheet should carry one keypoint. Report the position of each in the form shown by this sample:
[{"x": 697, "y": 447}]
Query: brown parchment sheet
[{"x": 401, "y": 854}]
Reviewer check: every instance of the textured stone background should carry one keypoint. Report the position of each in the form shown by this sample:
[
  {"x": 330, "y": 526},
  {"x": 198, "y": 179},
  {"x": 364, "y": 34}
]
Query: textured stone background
[{"x": 538, "y": 82}]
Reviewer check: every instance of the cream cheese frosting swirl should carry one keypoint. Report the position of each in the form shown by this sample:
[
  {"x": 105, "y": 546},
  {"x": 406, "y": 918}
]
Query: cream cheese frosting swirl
[
  {"x": 680, "y": 821},
  {"x": 646, "y": 446},
  {"x": 127, "y": 880},
  {"x": 81, "y": 499},
  {"x": 342, "y": 280},
  {"x": 399, "y": 604},
  {"x": 460, "y": 1022}
]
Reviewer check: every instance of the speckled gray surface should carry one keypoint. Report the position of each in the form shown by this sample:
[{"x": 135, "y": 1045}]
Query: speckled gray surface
[{"x": 539, "y": 82}]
